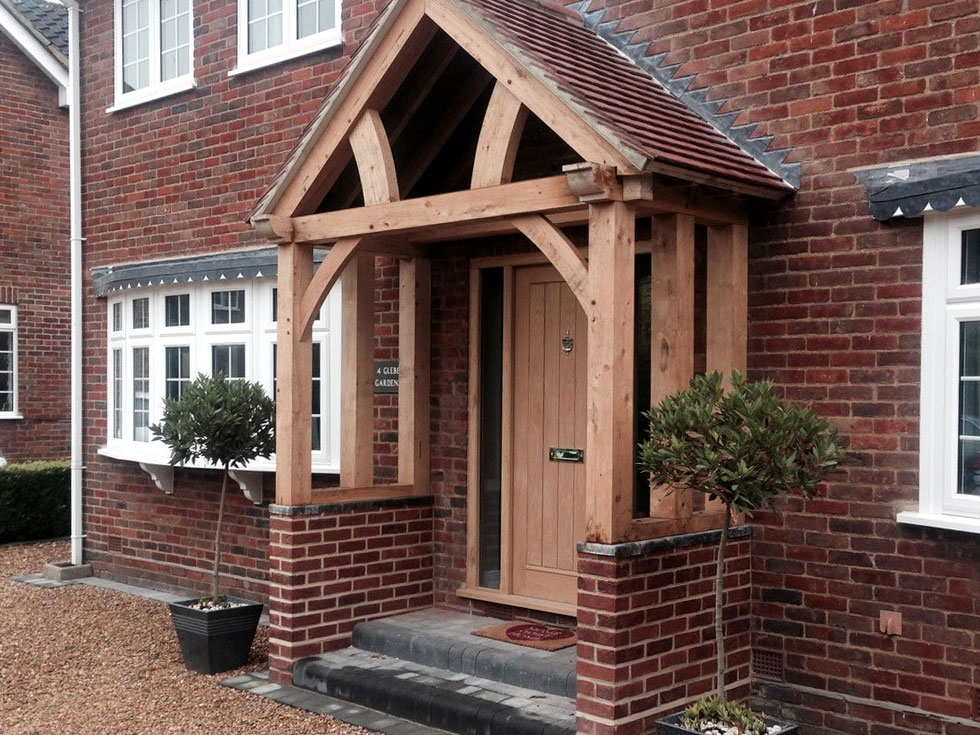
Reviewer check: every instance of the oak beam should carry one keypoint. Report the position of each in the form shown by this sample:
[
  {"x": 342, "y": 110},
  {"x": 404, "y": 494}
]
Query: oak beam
[
  {"x": 414, "y": 327},
  {"x": 500, "y": 136},
  {"x": 441, "y": 210},
  {"x": 294, "y": 396},
  {"x": 311, "y": 299},
  {"x": 560, "y": 251},
  {"x": 609, "y": 433},
  {"x": 356, "y": 373},
  {"x": 375, "y": 164},
  {"x": 672, "y": 338}
]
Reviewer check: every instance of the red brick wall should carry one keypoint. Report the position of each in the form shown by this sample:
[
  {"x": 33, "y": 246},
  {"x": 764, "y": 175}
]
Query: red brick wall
[
  {"x": 34, "y": 262},
  {"x": 135, "y": 533},
  {"x": 646, "y": 630},
  {"x": 334, "y": 566},
  {"x": 179, "y": 176},
  {"x": 834, "y": 320}
]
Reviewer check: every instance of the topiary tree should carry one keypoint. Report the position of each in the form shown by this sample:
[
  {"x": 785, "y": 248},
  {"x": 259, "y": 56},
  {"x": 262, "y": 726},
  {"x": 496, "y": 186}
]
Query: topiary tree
[
  {"x": 745, "y": 447},
  {"x": 225, "y": 422}
]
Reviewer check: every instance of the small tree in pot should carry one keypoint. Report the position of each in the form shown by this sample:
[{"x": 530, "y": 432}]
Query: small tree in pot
[
  {"x": 226, "y": 423},
  {"x": 747, "y": 448}
]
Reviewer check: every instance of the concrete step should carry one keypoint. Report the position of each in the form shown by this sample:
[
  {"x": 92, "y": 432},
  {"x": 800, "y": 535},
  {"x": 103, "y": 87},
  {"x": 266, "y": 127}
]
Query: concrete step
[
  {"x": 438, "y": 698},
  {"x": 444, "y": 640}
]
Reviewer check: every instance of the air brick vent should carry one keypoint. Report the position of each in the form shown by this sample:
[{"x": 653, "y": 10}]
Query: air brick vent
[
  {"x": 767, "y": 665},
  {"x": 115, "y": 543}
]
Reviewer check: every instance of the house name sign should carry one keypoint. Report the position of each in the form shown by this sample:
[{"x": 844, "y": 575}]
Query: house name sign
[{"x": 386, "y": 376}]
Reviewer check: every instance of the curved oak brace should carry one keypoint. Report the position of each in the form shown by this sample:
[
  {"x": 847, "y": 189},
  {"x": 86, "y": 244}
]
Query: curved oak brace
[
  {"x": 325, "y": 277},
  {"x": 500, "y": 135},
  {"x": 560, "y": 251},
  {"x": 375, "y": 164}
]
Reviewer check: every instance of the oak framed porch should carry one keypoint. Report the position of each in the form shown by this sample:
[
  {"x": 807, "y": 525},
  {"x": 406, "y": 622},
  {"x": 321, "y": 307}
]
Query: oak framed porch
[{"x": 353, "y": 183}]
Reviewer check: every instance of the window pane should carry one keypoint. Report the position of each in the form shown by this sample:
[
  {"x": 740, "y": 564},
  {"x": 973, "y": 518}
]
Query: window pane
[
  {"x": 970, "y": 257},
  {"x": 6, "y": 315},
  {"x": 317, "y": 405},
  {"x": 135, "y": 44},
  {"x": 178, "y": 375},
  {"x": 968, "y": 465},
  {"x": 275, "y": 304},
  {"x": 178, "y": 310},
  {"x": 117, "y": 316},
  {"x": 141, "y": 394},
  {"x": 141, "y": 313},
  {"x": 117, "y": 389},
  {"x": 326, "y": 14},
  {"x": 7, "y": 378},
  {"x": 228, "y": 360},
  {"x": 228, "y": 307},
  {"x": 306, "y": 24}
]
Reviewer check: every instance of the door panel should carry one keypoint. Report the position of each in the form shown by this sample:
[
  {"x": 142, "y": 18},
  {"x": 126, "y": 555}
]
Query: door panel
[{"x": 549, "y": 386}]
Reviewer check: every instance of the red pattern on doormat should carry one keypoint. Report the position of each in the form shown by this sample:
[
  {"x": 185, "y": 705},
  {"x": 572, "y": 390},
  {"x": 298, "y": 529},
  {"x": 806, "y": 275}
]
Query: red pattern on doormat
[{"x": 532, "y": 635}]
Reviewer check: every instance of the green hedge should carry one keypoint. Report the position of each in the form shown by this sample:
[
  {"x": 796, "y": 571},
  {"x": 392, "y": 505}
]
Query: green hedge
[{"x": 34, "y": 501}]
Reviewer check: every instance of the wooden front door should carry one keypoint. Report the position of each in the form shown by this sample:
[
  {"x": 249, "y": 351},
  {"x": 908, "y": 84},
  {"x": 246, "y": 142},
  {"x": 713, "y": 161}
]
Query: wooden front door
[{"x": 549, "y": 387}]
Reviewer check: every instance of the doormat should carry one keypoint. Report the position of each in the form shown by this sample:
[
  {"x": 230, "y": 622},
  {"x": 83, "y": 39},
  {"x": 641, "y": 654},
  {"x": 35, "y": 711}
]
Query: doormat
[{"x": 532, "y": 635}]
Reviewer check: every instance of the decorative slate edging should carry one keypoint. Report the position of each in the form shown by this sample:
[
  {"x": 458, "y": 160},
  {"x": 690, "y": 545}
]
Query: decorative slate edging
[
  {"x": 351, "y": 506},
  {"x": 666, "y": 543},
  {"x": 696, "y": 99}
]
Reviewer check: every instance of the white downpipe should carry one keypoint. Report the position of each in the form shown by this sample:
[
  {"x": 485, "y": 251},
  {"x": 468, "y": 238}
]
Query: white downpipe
[{"x": 75, "y": 179}]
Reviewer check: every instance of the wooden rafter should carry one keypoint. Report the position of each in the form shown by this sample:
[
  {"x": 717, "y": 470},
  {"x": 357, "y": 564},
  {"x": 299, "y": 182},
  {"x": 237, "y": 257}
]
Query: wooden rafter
[
  {"x": 375, "y": 164},
  {"x": 560, "y": 251},
  {"x": 499, "y": 139}
]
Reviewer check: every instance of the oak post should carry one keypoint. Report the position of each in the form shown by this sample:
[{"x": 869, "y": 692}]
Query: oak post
[
  {"x": 356, "y": 373},
  {"x": 414, "y": 327},
  {"x": 294, "y": 368},
  {"x": 727, "y": 305},
  {"x": 609, "y": 453},
  {"x": 672, "y": 338}
]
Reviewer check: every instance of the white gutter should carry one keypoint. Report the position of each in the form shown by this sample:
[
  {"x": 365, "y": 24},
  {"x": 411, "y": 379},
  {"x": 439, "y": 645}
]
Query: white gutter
[{"x": 75, "y": 184}]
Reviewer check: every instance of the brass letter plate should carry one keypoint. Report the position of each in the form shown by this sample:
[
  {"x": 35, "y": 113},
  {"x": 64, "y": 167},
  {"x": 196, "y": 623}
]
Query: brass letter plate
[{"x": 565, "y": 454}]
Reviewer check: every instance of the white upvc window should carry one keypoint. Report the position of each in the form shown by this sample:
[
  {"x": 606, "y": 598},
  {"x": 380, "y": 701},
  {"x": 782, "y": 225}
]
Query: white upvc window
[
  {"x": 8, "y": 362},
  {"x": 166, "y": 336},
  {"x": 270, "y": 31},
  {"x": 154, "y": 50},
  {"x": 949, "y": 445}
]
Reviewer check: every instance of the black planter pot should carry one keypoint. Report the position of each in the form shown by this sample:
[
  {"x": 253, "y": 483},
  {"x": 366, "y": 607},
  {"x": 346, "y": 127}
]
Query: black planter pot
[
  {"x": 671, "y": 726},
  {"x": 212, "y": 641}
]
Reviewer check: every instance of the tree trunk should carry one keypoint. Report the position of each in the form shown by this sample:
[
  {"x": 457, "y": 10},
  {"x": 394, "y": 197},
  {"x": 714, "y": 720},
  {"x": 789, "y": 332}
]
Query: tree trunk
[
  {"x": 217, "y": 535},
  {"x": 719, "y": 606}
]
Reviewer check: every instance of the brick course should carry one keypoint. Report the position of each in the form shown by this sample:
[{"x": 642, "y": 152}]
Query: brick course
[
  {"x": 34, "y": 262},
  {"x": 334, "y": 566},
  {"x": 646, "y": 633}
]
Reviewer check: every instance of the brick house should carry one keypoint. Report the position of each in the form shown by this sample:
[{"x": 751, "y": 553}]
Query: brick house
[
  {"x": 34, "y": 269},
  {"x": 745, "y": 159}
]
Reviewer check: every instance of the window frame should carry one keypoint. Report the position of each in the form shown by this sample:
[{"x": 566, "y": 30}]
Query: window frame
[
  {"x": 156, "y": 88},
  {"x": 945, "y": 305},
  {"x": 291, "y": 46},
  {"x": 12, "y": 329}
]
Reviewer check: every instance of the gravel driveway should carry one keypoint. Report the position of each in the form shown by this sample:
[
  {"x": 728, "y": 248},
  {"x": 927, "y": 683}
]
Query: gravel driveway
[{"x": 79, "y": 660}]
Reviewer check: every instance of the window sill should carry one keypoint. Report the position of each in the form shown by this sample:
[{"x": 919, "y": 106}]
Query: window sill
[
  {"x": 157, "y": 454},
  {"x": 246, "y": 65},
  {"x": 151, "y": 94},
  {"x": 11, "y": 417},
  {"x": 964, "y": 524}
]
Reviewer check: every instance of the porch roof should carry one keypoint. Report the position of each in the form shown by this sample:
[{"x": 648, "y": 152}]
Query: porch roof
[{"x": 622, "y": 105}]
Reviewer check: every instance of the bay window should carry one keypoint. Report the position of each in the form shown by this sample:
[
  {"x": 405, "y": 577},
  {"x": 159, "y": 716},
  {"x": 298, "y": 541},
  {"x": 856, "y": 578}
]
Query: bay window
[{"x": 171, "y": 333}]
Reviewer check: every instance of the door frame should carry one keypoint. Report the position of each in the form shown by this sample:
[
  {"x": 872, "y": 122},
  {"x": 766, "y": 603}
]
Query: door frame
[{"x": 472, "y": 590}]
